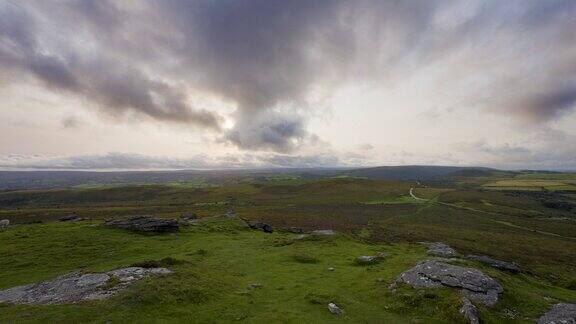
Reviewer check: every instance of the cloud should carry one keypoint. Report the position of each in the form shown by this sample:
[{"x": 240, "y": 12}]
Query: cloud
[
  {"x": 152, "y": 59},
  {"x": 544, "y": 150},
  {"x": 365, "y": 147},
  {"x": 113, "y": 84},
  {"x": 70, "y": 122},
  {"x": 128, "y": 161},
  {"x": 276, "y": 131}
]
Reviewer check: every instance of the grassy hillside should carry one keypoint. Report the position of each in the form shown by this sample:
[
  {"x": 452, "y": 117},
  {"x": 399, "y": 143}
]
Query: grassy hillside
[
  {"x": 424, "y": 172},
  {"x": 215, "y": 263}
]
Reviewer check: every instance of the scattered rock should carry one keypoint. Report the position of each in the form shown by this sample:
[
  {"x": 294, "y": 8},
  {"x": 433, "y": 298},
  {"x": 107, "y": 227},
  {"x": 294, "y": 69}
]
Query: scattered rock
[
  {"x": 323, "y": 232},
  {"x": 334, "y": 309},
  {"x": 70, "y": 218},
  {"x": 145, "y": 224},
  {"x": 501, "y": 265},
  {"x": 254, "y": 286},
  {"x": 369, "y": 259},
  {"x": 469, "y": 311},
  {"x": 474, "y": 284},
  {"x": 440, "y": 249},
  {"x": 75, "y": 287},
  {"x": 296, "y": 230},
  {"x": 261, "y": 226},
  {"x": 258, "y": 225},
  {"x": 188, "y": 216},
  {"x": 559, "y": 314},
  {"x": 4, "y": 224}
]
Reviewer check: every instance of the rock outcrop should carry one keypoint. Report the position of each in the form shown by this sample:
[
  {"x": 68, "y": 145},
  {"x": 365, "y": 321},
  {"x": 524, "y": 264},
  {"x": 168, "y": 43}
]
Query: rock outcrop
[
  {"x": 145, "y": 224},
  {"x": 498, "y": 264},
  {"x": 560, "y": 314},
  {"x": 76, "y": 286},
  {"x": 474, "y": 284},
  {"x": 440, "y": 249}
]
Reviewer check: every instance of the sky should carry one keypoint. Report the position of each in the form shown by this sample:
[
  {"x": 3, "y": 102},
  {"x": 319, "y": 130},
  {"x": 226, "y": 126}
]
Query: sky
[{"x": 204, "y": 84}]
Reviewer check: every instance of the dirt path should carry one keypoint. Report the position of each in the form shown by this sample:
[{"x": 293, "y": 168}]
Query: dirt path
[{"x": 508, "y": 224}]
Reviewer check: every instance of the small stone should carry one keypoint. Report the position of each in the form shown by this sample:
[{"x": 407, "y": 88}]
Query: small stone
[
  {"x": 366, "y": 259},
  {"x": 4, "y": 224},
  {"x": 469, "y": 311},
  {"x": 331, "y": 269},
  {"x": 334, "y": 309},
  {"x": 323, "y": 232},
  {"x": 69, "y": 218},
  {"x": 188, "y": 216},
  {"x": 266, "y": 228}
]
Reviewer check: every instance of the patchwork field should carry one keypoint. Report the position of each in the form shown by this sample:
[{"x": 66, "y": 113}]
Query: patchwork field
[{"x": 520, "y": 184}]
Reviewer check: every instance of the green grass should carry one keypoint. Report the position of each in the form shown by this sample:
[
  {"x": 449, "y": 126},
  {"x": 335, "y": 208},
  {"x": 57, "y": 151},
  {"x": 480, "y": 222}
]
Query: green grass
[
  {"x": 399, "y": 200},
  {"x": 214, "y": 286},
  {"x": 217, "y": 261}
]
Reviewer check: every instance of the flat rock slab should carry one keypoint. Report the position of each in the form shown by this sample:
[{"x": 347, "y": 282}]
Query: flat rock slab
[
  {"x": 75, "y": 287},
  {"x": 498, "y": 264},
  {"x": 560, "y": 314},
  {"x": 145, "y": 224},
  {"x": 474, "y": 284},
  {"x": 440, "y": 249}
]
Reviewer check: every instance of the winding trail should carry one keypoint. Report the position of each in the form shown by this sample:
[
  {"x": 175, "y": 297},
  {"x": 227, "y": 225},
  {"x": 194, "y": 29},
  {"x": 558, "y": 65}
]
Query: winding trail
[
  {"x": 490, "y": 213},
  {"x": 414, "y": 196}
]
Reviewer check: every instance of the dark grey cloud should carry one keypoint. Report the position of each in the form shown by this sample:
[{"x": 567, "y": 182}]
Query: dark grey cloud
[
  {"x": 114, "y": 84},
  {"x": 146, "y": 58},
  {"x": 553, "y": 104},
  {"x": 280, "y": 132}
]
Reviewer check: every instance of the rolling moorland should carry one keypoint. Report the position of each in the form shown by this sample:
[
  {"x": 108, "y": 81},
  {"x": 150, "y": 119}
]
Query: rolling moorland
[{"x": 224, "y": 271}]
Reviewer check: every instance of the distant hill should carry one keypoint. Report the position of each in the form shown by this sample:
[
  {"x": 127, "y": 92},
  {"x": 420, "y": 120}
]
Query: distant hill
[
  {"x": 10, "y": 180},
  {"x": 424, "y": 172},
  {"x": 60, "y": 179}
]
